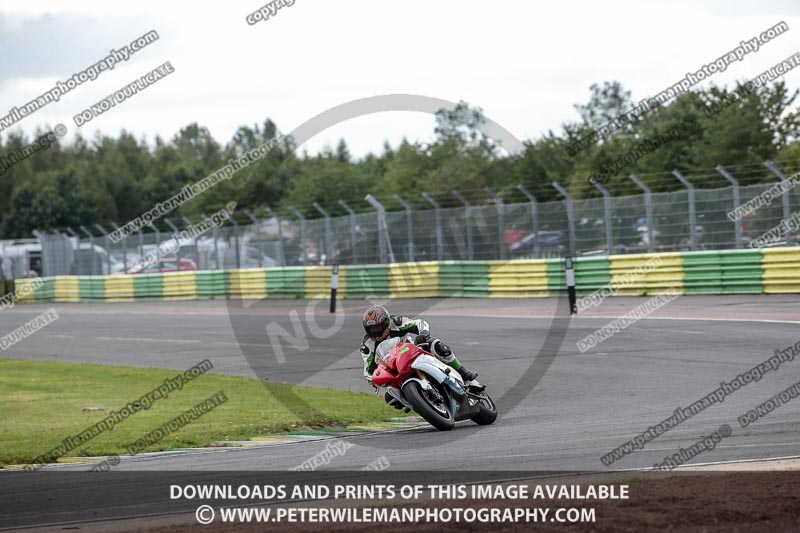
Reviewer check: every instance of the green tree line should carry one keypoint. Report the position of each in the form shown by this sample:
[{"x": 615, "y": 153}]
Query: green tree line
[{"x": 115, "y": 179}]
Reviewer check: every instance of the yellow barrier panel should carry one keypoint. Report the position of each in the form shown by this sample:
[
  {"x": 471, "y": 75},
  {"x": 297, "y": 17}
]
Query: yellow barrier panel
[
  {"x": 781, "y": 270},
  {"x": 318, "y": 283},
  {"x": 248, "y": 284},
  {"x": 414, "y": 280},
  {"x": 67, "y": 289},
  {"x": 647, "y": 274},
  {"x": 180, "y": 286},
  {"x": 518, "y": 279},
  {"x": 24, "y": 289},
  {"x": 119, "y": 288}
]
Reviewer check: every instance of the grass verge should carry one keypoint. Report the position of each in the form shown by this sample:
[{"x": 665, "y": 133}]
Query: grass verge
[{"x": 43, "y": 403}]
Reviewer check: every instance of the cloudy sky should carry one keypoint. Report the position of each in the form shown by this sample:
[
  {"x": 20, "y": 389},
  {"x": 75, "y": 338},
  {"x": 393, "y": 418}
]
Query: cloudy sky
[{"x": 526, "y": 63}]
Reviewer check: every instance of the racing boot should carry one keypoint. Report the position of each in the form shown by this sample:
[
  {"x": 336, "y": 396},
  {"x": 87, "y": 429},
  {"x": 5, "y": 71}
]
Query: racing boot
[
  {"x": 466, "y": 373},
  {"x": 446, "y": 355}
]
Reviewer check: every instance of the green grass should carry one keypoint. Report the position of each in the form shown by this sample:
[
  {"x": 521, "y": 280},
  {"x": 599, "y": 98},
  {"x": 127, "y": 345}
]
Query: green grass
[{"x": 42, "y": 403}]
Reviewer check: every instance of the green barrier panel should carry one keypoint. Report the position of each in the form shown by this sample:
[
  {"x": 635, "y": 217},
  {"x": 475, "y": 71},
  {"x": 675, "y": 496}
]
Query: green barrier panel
[
  {"x": 288, "y": 282},
  {"x": 467, "y": 279},
  {"x": 47, "y": 291},
  {"x": 212, "y": 285},
  {"x": 702, "y": 272},
  {"x": 741, "y": 271},
  {"x": 92, "y": 288},
  {"x": 367, "y": 281},
  {"x": 148, "y": 286},
  {"x": 591, "y": 273},
  {"x": 475, "y": 279},
  {"x": 556, "y": 277}
]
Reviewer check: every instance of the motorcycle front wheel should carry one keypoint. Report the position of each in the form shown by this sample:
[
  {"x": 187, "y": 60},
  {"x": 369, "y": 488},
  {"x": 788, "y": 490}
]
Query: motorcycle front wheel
[{"x": 430, "y": 404}]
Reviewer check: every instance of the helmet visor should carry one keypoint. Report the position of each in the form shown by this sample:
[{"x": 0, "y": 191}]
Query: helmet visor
[{"x": 377, "y": 331}]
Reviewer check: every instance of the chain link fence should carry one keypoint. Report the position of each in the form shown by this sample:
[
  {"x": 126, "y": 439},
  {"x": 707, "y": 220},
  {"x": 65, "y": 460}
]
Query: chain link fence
[{"x": 648, "y": 222}]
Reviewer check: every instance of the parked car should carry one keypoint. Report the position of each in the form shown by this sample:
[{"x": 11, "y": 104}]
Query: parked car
[
  {"x": 547, "y": 240},
  {"x": 165, "y": 265}
]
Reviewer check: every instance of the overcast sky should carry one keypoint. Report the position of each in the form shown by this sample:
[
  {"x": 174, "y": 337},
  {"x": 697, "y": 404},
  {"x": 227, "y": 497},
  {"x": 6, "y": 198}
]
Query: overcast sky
[{"x": 526, "y": 63}]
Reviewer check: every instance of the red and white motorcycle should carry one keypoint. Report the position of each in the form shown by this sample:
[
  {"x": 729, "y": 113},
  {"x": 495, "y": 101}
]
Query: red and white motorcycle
[{"x": 431, "y": 388}]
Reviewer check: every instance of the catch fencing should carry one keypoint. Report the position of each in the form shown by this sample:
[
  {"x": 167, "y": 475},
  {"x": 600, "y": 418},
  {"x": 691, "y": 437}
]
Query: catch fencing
[
  {"x": 769, "y": 271},
  {"x": 691, "y": 219}
]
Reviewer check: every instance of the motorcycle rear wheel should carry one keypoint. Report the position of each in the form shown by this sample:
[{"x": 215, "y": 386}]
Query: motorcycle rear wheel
[{"x": 418, "y": 398}]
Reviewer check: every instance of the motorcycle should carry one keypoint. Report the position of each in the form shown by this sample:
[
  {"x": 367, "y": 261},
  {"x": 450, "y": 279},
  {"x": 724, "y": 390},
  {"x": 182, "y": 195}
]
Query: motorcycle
[{"x": 431, "y": 388}]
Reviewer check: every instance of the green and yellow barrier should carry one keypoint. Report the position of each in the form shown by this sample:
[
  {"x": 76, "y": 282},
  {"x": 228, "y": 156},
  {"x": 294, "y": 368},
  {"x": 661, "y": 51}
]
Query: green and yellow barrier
[
  {"x": 647, "y": 274},
  {"x": 369, "y": 281},
  {"x": 245, "y": 284},
  {"x": 414, "y": 280},
  {"x": 770, "y": 271},
  {"x": 781, "y": 270},
  {"x": 119, "y": 288},
  {"x": 518, "y": 279}
]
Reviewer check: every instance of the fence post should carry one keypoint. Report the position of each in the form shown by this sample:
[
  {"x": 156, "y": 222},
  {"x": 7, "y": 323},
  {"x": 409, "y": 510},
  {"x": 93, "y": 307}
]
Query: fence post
[
  {"x": 570, "y": 218},
  {"x": 281, "y": 256},
  {"x": 91, "y": 246},
  {"x": 409, "y": 226},
  {"x": 257, "y": 223},
  {"x": 606, "y": 213},
  {"x": 189, "y": 226},
  {"x": 787, "y": 232},
  {"x": 381, "y": 225},
  {"x": 352, "y": 216},
  {"x": 501, "y": 220},
  {"x": 467, "y": 220},
  {"x": 537, "y": 246},
  {"x": 124, "y": 246},
  {"x": 176, "y": 236},
  {"x": 141, "y": 242},
  {"x": 236, "y": 242},
  {"x": 737, "y": 222},
  {"x": 108, "y": 247},
  {"x": 328, "y": 233},
  {"x": 77, "y": 265},
  {"x": 648, "y": 208},
  {"x": 158, "y": 247},
  {"x": 216, "y": 243},
  {"x": 299, "y": 215},
  {"x": 437, "y": 213},
  {"x": 692, "y": 212}
]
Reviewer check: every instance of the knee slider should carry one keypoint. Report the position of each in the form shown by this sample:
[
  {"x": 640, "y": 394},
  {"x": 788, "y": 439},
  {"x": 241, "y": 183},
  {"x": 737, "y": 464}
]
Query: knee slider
[{"x": 442, "y": 350}]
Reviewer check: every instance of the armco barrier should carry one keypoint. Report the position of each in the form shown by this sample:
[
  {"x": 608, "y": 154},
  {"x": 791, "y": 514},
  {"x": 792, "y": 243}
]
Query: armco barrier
[
  {"x": 709, "y": 272},
  {"x": 781, "y": 270},
  {"x": 371, "y": 281},
  {"x": 288, "y": 282},
  {"x": 518, "y": 279},
  {"x": 467, "y": 279},
  {"x": 647, "y": 274},
  {"x": 414, "y": 280},
  {"x": 245, "y": 284}
]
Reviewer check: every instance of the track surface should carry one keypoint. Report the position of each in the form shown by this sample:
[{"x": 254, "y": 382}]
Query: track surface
[{"x": 584, "y": 406}]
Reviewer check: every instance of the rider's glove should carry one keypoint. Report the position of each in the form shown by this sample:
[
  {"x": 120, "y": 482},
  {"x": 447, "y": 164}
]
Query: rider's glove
[{"x": 423, "y": 339}]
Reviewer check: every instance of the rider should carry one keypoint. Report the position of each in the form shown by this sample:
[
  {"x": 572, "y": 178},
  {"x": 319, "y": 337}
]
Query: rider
[{"x": 379, "y": 325}]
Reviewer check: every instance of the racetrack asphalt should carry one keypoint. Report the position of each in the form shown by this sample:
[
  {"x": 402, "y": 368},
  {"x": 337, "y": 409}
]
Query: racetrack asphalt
[{"x": 582, "y": 406}]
